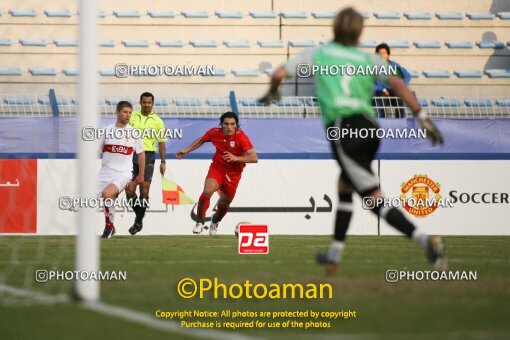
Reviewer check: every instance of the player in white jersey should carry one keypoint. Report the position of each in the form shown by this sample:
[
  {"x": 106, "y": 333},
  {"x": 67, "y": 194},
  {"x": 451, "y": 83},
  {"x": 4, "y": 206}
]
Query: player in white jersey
[{"x": 117, "y": 147}]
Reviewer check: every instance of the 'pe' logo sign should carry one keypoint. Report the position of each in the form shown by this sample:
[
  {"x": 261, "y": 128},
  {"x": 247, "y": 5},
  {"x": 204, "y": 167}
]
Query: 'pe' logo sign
[{"x": 253, "y": 239}]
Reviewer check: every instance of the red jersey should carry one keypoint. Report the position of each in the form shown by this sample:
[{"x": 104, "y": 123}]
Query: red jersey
[{"x": 237, "y": 144}]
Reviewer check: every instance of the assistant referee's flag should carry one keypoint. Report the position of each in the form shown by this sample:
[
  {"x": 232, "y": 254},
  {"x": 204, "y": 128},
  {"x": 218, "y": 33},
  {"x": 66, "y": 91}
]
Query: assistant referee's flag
[{"x": 173, "y": 193}]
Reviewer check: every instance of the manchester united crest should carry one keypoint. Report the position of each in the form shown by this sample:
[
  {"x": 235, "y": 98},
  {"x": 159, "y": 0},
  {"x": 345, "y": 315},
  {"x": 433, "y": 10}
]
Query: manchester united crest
[{"x": 421, "y": 195}]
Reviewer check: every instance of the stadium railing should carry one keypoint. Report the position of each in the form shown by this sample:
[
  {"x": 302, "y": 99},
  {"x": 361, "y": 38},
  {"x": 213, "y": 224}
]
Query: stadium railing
[{"x": 248, "y": 107}]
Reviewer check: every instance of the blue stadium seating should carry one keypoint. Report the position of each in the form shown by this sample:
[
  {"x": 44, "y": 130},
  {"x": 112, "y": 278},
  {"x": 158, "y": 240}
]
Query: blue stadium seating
[
  {"x": 311, "y": 102},
  {"x": 70, "y": 72},
  {"x": 458, "y": 44},
  {"x": 498, "y": 73},
  {"x": 14, "y": 100},
  {"x": 294, "y": 14},
  {"x": 251, "y": 102},
  {"x": 218, "y": 72},
  {"x": 42, "y": 71},
  {"x": 22, "y": 12},
  {"x": 66, "y": 42},
  {"x": 33, "y": 42},
  {"x": 414, "y": 73},
  {"x": 159, "y": 101},
  {"x": 436, "y": 73},
  {"x": 169, "y": 43},
  {"x": 468, "y": 73},
  {"x": 5, "y": 42},
  {"x": 449, "y": 15},
  {"x": 270, "y": 43},
  {"x": 237, "y": 43},
  {"x": 478, "y": 103},
  {"x": 115, "y": 100},
  {"x": 106, "y": 43},
  {"x": 427, "y": 44},
  {"x": 57, "y": 13},
  {"x": 289, "y": 102},
  {"x": 195, "y": 14},
  {"x": 135, "y": 43},
  {"x": 323, "y": 14},
  {"x": 187, "y": 102},
  {"x": 46, "y": 101},
  {"x": 10, "y": 71},
  {"x": 397, "y": 43},
  {"x": 491, "y": 44},
  {"x": 423, "y": 102},
  {"x": 203, "y": 43},
  {"x": 503, "y": 102},
  {"x": 161, "y": 14},
  {"x": 126, "y": 13},
  {"x": 387, "y": 15},
  {"x": 445, "y": 102},
  {"x": 301, "y": 43},
  {"x": 480, "y": 16},
  {"x": 245, "y": 72},
  {"x": 229, "y": 14},
  {"x": 368, "y": 44},
  {"x": 106, "y": 72},
  {"x": 365, "y": 15},
  {"x": 504, "y": 15},
  {"x": 218, "y": 101},
  {"x": 263, "y": 14},
  {"x": 418, "y": 15}
]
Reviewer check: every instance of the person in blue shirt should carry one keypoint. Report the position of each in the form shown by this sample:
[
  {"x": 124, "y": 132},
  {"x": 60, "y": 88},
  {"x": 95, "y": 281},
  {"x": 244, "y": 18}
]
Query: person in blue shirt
[{"x": 385, "y": 90}]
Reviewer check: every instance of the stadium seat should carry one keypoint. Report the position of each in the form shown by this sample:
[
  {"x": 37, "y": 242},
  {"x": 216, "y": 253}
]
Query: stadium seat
[
  {"x": 367, "y": 44},
  {"x": 397, "y": 43},
  {"x": 293, "y": 14},
  {"x": 324, "y": 14},
  {"x": 114, "y": 100},
  {"x": 365, "y": 15},
  {"x": 414, "y": 73},
  {"x": 57, "y": 13},
  {"x": 504, "y": 15},
  {"x": 445, "y": 102},
  {"x": 458, "y": 44},
  {"x": 218, "y": 101},
  {"x": 18, "y": 101},
  {"x": 106, "y": 72},
  {"x": 311, "y": 102},
  {"x": 102, "y": 14},
  {"x": 301, "y": 43},
  {"x": 270, "y": 43},
  {"x": 427, "y": 44},
  {"x": 387, "y": 15},
  {"x": 229, "y": 14},
  {"x": 5, "y": 42},
  {"x": 236, "y": 43},
  {"x": 436, "y": 73},
  {"x": 33, "y": 42},
  {"x": 195, "y": 14},
  {"x": 480, "y": 16},
  {"x": 135, "y": 43},
  {"x": 269, "y": 71},
  {"x": 498, "y": 45},
  {"x": 498, "y": 73},
  {"x": 10, "y": 71},
  {"x": 478, "y": 103},
  {"x": 46, "y": 101},
  {"x": 418, "y": 15},
  {"x": 263, "y": 14},
  {"x": 218, "y": 72},
  {"x": 65, "y": 42},
  {"x": 503, "y": 102},
  {"x": 159, "y": 101},
  {"x": 70, "y": 72},
  {"x": 187, "y": 102},
  {"x": 203, "y": 43},
  {"x": 449, "y": 15},
  {"x": 22, "y": 12},
  {"x": 169, "y": 43},
  {"x": 245, "y": 72},
  {"x": 106, "y": 43},
  {"x": 161, "y": 14},
  {"x": 468, "y": 73},
  {"x": 423, "y": 102},
  {"x": 251, "y": 102},
  {"x": 42, "y": 71},
  {"x": 126, "y": 13},
  {"x": 289, "y": 102}
]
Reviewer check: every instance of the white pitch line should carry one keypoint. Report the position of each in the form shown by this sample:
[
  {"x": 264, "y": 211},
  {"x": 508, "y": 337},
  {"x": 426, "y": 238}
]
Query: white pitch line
[{"x": 126, "y": 314}]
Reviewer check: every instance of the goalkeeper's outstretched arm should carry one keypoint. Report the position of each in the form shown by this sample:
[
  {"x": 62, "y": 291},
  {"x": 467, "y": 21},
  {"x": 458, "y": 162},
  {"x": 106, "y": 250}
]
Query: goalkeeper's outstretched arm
[
  {"x": 276, "y": 80},
  {"x": 193, "y": 146}
]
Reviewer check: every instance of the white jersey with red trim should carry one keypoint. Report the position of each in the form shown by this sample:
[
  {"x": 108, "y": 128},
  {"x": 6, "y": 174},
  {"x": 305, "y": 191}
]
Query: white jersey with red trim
[{"x": 118, "y": 152}]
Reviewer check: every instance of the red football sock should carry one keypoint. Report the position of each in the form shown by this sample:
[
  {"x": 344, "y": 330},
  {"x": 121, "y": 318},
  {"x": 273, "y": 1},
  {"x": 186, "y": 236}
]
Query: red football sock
[
  {"x": 203, "y": 205},
  {"x": 108, "y": 217}
]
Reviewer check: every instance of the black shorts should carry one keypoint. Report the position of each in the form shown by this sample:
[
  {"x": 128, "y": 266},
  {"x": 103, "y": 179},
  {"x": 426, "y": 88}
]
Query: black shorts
[
  {"x": 355, "y": 152},
  {"x": 150, "y": 159}
]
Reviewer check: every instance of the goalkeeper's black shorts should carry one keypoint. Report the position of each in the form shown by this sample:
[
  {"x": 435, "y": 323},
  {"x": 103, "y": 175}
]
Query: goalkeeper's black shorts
[{"x": 355, "y": 146}]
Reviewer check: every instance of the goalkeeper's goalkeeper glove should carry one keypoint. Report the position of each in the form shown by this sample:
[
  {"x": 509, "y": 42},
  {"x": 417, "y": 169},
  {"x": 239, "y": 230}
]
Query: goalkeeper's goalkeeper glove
[
  {"x": 432, "y": 131},
  {"x": 269, "y": 97}
]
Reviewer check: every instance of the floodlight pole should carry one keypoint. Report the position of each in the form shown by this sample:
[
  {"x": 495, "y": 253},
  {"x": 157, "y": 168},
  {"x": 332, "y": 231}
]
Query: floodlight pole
[{"x": 87, "y": 242}]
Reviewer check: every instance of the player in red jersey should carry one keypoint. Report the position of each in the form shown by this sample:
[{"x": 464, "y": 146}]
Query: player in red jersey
[{"x": 233, "y": 151}]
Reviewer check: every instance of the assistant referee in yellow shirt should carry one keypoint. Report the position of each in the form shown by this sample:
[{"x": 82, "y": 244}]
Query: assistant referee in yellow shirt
[{"x": 153, "y": 130}]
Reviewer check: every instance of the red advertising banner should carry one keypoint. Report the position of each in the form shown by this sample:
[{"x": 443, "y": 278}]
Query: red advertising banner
[{"x": 18, "y": 196}]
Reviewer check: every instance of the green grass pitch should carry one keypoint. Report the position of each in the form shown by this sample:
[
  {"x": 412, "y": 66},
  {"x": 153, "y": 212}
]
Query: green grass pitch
[{"x": 155, "y": 264}]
